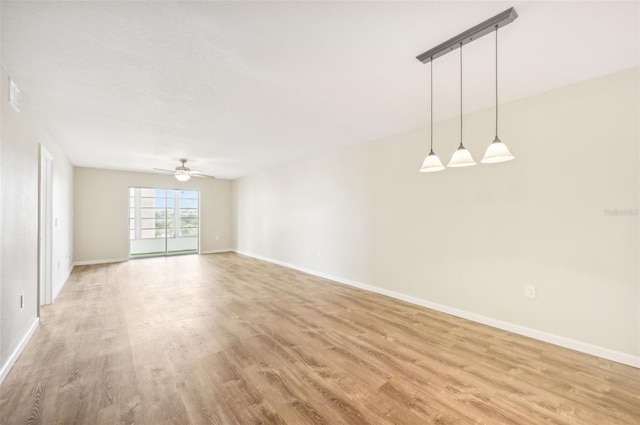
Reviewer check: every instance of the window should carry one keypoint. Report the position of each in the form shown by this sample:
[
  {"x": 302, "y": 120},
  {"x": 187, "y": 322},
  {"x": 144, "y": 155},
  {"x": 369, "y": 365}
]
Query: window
[
  {"x": 163, "y": 221},
  {"x": 188, "y": 213}
]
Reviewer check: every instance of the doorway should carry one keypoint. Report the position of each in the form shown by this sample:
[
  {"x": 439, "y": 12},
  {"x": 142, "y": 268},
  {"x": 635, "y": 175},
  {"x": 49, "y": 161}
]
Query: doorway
[
  {"x": 44, "y": 229},
  {"x": 163, "y": 222}
]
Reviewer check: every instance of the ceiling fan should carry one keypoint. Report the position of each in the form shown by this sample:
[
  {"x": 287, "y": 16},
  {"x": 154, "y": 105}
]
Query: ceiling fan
[{"x": 183, "y": 173}]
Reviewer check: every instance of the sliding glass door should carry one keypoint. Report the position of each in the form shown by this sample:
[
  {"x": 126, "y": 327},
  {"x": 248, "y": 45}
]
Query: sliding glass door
[{"x": 163, "y": 221}]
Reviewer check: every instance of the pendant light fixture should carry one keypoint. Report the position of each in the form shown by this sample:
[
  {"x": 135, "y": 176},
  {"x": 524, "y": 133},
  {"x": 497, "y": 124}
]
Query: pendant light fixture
[
  {"x": 461, "y": 157},
  {"x": 431, "y": 162},
  {"x": 497, "y": 151}
]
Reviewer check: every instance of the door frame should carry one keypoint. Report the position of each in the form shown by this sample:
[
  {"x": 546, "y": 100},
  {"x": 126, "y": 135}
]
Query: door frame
[{"x": 45, "y": 231}]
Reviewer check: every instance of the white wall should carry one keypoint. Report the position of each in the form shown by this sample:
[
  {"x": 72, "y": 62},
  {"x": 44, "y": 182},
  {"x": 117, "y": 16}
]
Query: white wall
[
  {"x": 19, "y": 223},
  {"x": 467, "y": 239},
  {"x": 20, "y": 139},
  {"x": 102, "y": 211}
]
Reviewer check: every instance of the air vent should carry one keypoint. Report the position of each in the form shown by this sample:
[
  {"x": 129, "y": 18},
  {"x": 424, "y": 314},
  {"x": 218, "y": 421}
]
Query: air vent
[{"x": 14, "y": 95}]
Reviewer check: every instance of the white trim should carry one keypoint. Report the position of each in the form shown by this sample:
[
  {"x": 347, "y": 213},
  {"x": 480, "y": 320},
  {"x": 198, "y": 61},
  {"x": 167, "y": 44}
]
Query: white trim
[
  {"x": 561, "y": 341},
  {"x": 217, "y": 251},
  {"x": 45, "y": 227},
  {"x": 16, "y": 353},
  {"x": 107, "y": 261},
  {"x": 120, "y": 260},
  {"x": 64, "y": 282}
]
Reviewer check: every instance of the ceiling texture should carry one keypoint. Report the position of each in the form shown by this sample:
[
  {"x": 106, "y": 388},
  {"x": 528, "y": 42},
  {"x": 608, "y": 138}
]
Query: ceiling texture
[{"x": 238, "y": 87}]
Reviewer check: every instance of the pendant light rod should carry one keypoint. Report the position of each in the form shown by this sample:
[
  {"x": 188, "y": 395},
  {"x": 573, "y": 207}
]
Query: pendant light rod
[
  {"x": 496, "y": 81},
  {"x": 497, "y": 151},
  {"x": 483, "y": 28},
  {"x": 461, "y": 96},
  {"x": 431, "y": 109},
  {"x": 461, "y": 157}
]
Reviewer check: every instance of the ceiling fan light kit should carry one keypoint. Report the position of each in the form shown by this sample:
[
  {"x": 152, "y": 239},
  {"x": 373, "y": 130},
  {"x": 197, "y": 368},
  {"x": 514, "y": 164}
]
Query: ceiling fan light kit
[
  {"x": 182, "y": 173},
  {"x": 497, "y": 150}
]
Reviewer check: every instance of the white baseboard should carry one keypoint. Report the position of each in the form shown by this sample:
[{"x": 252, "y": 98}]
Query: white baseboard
[
  {"x": 107, "y": 261},
  {"x": 561, "y": 341},
  {"x": 217, "y": 251},
  {"x": 16, "y": 353}
]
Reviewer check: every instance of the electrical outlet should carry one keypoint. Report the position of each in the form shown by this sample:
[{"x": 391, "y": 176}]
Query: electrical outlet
[
  {"x": 21, "y": 302},
  {"x": 529, "y": 291}
]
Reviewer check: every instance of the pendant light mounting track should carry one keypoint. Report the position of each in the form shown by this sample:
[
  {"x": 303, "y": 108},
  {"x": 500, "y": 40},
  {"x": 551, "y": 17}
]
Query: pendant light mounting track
[{"x": 465, "y": 37}]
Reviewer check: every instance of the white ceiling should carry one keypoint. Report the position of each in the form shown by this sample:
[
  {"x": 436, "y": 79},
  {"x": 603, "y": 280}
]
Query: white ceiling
[{"x": 238, "y": 87}]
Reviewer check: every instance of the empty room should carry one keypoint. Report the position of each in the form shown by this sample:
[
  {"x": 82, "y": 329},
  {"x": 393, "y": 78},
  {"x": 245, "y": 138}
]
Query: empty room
[{"x": 319, "y": 212}]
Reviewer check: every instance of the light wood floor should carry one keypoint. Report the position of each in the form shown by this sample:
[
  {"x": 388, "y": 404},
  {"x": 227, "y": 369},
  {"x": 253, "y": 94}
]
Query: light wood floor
[{"x": 224, "y": 339}]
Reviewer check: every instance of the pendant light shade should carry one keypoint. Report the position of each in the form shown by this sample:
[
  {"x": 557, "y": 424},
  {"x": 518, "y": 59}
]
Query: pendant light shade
[
  {"x": 497, "y": 151},
  {"x": 431, "y": 163},
  {"x": 461, "y": 157}
]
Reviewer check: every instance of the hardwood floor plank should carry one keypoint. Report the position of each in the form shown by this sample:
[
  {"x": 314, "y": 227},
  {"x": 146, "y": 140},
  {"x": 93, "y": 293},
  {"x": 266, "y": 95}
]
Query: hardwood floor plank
[{"x": 225, "y": 339}]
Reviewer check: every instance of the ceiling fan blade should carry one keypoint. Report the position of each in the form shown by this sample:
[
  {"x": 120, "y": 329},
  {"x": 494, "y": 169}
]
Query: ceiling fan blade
[
  {"x": 199, "y": 174},
  {"x": 166, "y": 171}
]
